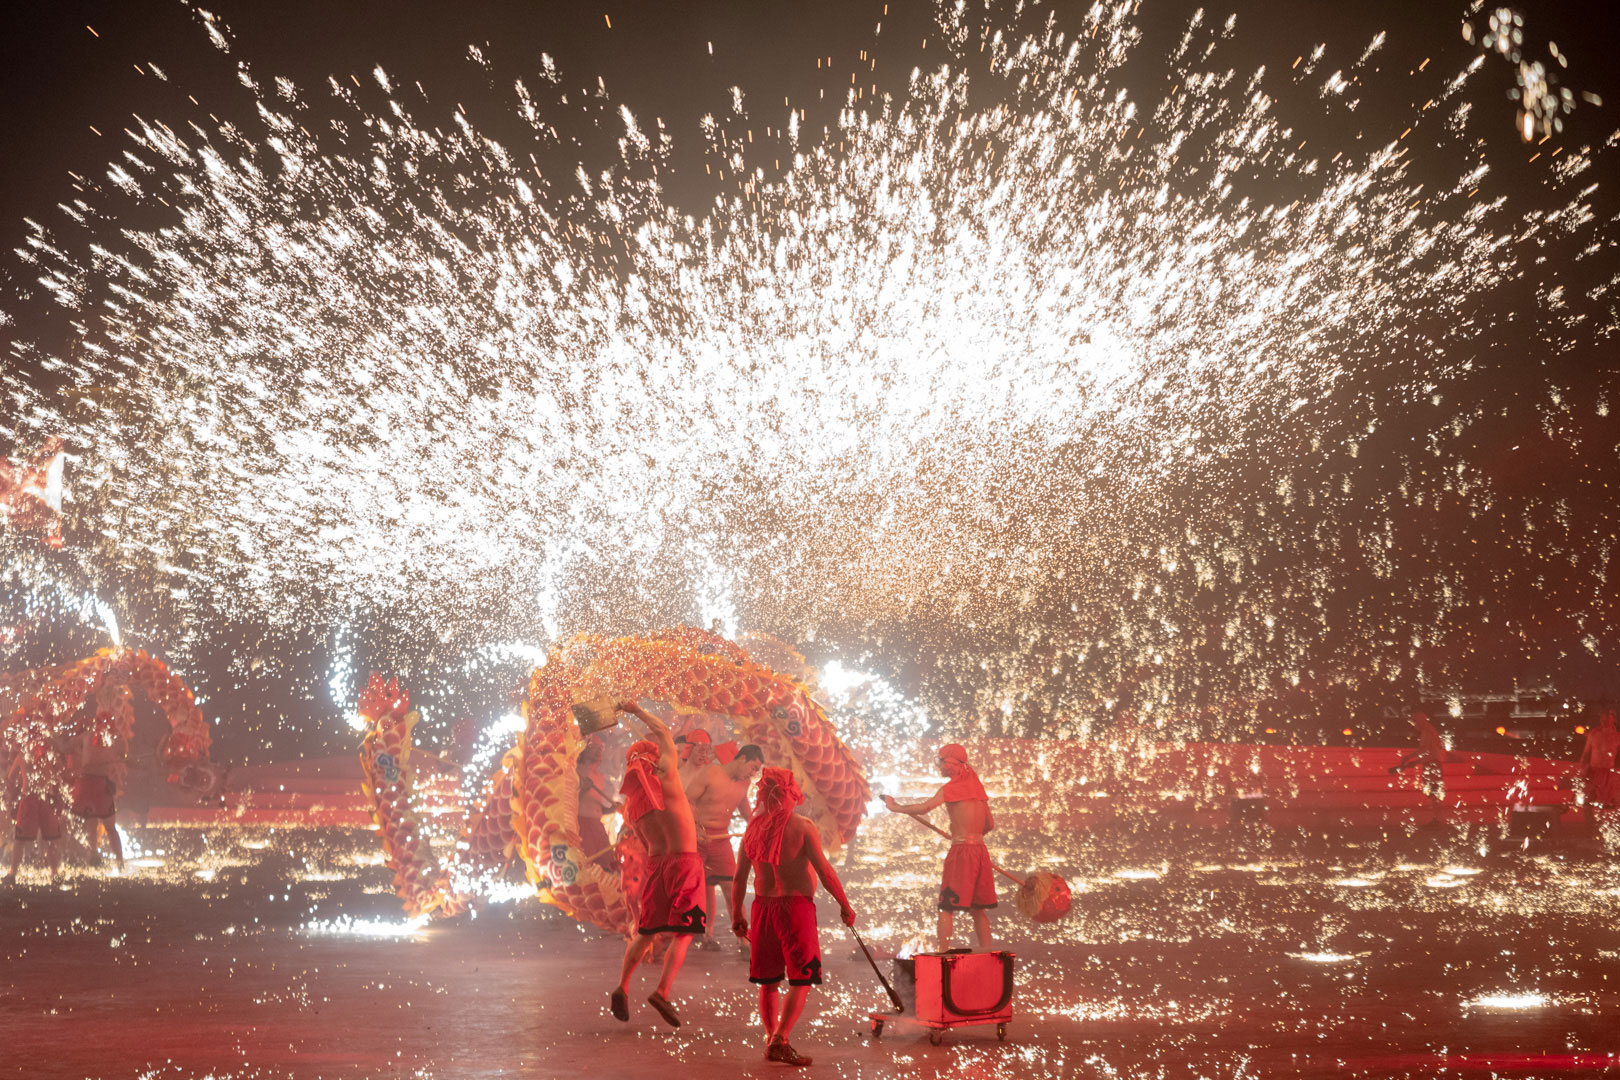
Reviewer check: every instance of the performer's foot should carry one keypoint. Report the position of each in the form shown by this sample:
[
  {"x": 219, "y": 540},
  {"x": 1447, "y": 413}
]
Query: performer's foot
[
  {"x": 620, "y": 1003},
  {"x": 9, "y": 879},
  {"x": 665, "y": 1009},
  {"x": 780, "y": 1051}
]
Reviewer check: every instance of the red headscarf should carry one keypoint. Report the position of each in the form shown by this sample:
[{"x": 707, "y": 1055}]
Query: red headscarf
[
  {"x": 642, "y": 790},
  {"x": 777, "y": 796},
  {"x": 688, "y": 743},
  {"x": 963, "y": 785}
]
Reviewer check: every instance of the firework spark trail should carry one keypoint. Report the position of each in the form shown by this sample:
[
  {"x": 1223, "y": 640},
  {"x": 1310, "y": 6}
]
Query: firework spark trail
[{"x": 389, "y": 365}]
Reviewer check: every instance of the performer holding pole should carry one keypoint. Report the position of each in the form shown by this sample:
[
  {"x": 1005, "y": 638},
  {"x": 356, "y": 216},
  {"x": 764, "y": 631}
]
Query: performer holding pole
[
  {"x": 969, "y": 883},
  {"x": 594, "y": 802},
  {"x": 785, "y": 850},
  {"x": 672, "y": 899}
]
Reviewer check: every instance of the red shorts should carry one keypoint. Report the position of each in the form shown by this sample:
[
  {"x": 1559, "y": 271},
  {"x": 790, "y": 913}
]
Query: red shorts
[
  {"x": 36, "y": 817},
  {"x": 672, "y": 898},
  {"x": 969, "y": 882},
  {"x": 719, "y": 861},
  {"x": 1603, "y": 787},
  {"x": 93, "y": 796},
  {"x": 782, "y": 940}
]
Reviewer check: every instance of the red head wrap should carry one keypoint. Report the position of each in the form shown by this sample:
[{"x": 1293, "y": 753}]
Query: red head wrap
[
  {"x": 777, "y": 796},
  {"x": 963, "y": 785},
  {"x": 642, "y": 790},
  {"x": 688, "y": 742}
]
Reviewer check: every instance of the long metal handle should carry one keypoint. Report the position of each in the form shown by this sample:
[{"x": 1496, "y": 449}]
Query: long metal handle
[{"x": 899, "y": 1006}]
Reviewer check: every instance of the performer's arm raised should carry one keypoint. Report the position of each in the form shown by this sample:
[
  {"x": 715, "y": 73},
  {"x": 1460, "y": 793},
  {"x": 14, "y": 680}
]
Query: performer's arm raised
[{"x": 658, "y": 730}]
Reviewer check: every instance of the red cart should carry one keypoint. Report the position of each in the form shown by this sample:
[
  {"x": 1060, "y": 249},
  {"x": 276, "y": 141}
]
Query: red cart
[{"x": 952, "y": 989}]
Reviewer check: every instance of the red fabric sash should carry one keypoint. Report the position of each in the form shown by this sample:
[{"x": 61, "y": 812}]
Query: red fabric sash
[{"x": 643, "y": 791}]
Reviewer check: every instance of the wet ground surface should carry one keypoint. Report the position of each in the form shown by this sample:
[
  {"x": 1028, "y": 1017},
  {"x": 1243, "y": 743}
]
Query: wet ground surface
[{"x": 284, "y": 955}]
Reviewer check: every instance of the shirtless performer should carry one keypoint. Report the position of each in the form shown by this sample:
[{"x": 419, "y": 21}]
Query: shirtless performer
[
  {"x": 594, "y": 803},
  {"x": 672, "y": 899},
  {"x": 1431, "y": 753},
  {"x": 1596, "y": 766},
  {"x": 785, "y": 851},
  {"x": 969, "y": 884},
  {"x": 38, "y": 807},
  {"x": 98, "y": 756},
  {"x": 716, "y": 793},
  {"x": 696, "y": 753}
]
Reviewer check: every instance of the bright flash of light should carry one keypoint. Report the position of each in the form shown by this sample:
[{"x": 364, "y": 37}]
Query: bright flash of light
[
  {"x": 109, "y": 619},
  {"x": 366, "y": 928},
  {"x": 1323, "y": 957},
  {"x": 1508, "y": 1001}
]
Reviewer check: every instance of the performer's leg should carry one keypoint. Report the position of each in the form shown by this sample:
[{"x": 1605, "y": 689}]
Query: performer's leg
[
  {"x": 16, "y": 858},
  {"x": 947, "y": 923},
  {"x": 725, "y": 892},
  {"x": 792, "y": 1006},
  {"x": 672, "y": 961},
  {"x": 768, "y": 1008},
  {"x": 53, "y": 853},
  {"x": 634, "y": 950},
  {"x": 981, "y": 927},
  {"x": 115, "y": 843}
]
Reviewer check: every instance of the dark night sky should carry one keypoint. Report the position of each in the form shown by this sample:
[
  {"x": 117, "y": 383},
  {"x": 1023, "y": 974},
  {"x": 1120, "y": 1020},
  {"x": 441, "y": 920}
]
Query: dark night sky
[{"x": 63, "y": 83}]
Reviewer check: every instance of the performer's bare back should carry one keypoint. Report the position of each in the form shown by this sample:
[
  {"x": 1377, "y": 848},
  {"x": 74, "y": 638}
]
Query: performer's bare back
[
  {"x": 794, "y": 874},
  {"x": 970, "y": 820}
]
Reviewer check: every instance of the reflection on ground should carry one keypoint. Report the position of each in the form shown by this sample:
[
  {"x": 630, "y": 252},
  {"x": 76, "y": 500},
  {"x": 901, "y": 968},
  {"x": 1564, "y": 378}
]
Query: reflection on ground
[{"x": 1189, "y": 953}]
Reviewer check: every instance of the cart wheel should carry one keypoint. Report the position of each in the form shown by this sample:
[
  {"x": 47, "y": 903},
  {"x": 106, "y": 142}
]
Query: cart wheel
[
  {"x": 877, "y": 1029},
  {"x": 936, "y": 1037},
  {"x": 1001, "y": 1032}
]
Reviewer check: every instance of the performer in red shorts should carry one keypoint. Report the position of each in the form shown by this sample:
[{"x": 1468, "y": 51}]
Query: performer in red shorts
[
  {"x": 717, "y": 792},
  {"x": 99, "y": 755},
  {"x": 1596, "y": 766},
  {"x": 672, "y": 898},
  {"x": 38, "y": 808},
  {"x": 969, "y": 883},
  {"x": 785, "y": 849}
]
